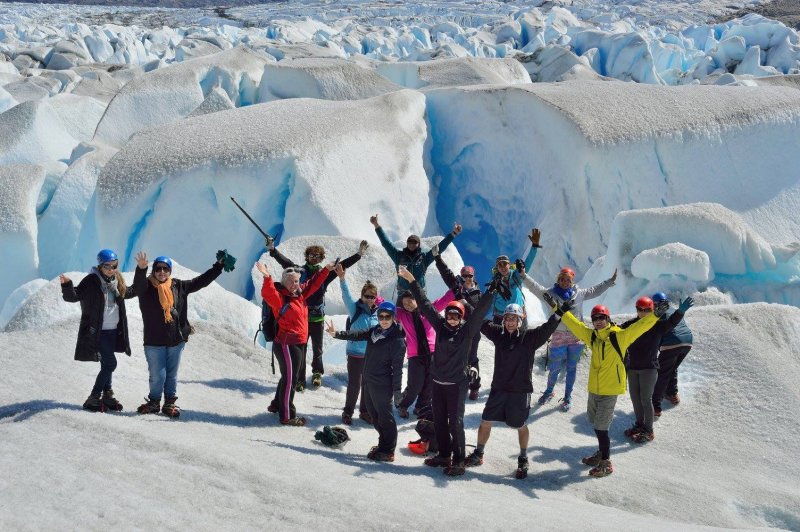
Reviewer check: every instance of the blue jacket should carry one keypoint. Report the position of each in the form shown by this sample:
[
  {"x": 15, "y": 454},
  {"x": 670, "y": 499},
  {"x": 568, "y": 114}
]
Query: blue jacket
[
  {"x": 367, "y": 319},
  {"x": 680, "y": 335},
  {"x": 515, "y": 284},
  {"x": 416, "y": 262}
]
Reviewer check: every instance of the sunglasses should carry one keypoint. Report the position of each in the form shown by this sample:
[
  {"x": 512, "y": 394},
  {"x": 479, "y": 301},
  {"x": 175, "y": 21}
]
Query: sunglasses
[
  {"x": 643, "y": 309},
  {"x": 599, "y": 317},
  {"x": 456, "y": 315},
  {"x": 504, "y": 263},
  {"x": 315, "y": 256},
  {"x": 467, "y": 275},
  {"x": 384, "y": 317},
  {"x": 369, "y": 296},
  {"x": 161, "y": 269},
  {"x": 108, "y": 266},
  {"x": 409, "y": 242}
]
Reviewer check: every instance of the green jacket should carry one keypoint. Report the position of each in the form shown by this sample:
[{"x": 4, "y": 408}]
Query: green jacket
[{"x": 416, "y": 262}]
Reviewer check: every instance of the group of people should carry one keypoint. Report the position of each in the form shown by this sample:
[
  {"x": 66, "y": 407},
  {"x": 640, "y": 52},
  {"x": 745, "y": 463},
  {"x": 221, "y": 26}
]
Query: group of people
[{"x": 439, "y": 339}]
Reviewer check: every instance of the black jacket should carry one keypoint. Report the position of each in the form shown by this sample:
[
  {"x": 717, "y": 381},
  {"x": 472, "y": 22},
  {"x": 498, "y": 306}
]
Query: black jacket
[
  {"x": 93, "y": 302},
  {"x": 450, "y": 362},
  {"x": 643, "y": 353},
  {"x": 156, "y": 330},
  {"x": 315, "y": 302},
  {"x": 456, "y": 284},
  {"x": 383, "y": 359},
  {"x": 514, "y": 353}
]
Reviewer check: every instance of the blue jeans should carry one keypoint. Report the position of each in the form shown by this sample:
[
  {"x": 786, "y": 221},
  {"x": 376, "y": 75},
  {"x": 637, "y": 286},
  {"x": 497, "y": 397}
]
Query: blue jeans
[
  {"x": 108, "y": 361},
  {"x": 558, "y": 356},
  {"x": 163, "y": 362}
]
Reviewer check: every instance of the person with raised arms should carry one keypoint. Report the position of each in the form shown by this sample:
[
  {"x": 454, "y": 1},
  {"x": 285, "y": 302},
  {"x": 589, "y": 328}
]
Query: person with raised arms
[{"x": 508, "y": 280}]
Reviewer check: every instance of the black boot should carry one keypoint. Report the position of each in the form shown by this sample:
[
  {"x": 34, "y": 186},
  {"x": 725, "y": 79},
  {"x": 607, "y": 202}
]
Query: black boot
[
  {"x": 93, "y": 404},
  {"x": 110, "y": 402}
]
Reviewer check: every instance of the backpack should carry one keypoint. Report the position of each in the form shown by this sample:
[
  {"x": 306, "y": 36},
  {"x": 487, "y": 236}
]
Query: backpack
[
  {"x": 612, "y": 337},
  {"x": 269, "y": 325},
  {"x": 359, "y": 311}
]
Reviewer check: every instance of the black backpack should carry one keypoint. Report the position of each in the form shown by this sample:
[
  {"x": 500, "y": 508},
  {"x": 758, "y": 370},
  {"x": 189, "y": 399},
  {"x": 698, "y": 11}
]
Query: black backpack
[
  {"x": 612, "y": 337},
  {"x": 359, "y": 311},
  {"x": 269, "y": 325}
]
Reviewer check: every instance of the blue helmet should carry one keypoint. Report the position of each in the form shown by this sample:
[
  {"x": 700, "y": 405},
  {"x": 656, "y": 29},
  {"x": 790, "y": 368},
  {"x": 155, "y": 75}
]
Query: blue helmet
[
  {"x": 106, "y": 255},
  {"x": 658, "y": 297},
  {"x": 166, "y": 260},
  {"x": 387, "y": 306}
]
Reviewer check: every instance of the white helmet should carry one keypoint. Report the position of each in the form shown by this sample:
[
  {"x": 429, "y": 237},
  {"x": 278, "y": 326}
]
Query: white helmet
[{"x": 514, "y": 310}]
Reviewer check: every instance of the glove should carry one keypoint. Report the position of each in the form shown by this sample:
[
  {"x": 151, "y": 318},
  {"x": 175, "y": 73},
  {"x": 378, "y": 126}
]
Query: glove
[
  {"x": 534, "y": 237},
  {"x": 332, "y": 436},
  {"x": 228, "y": 261},
  {"x": 473, "y": 374},
  {"x": 362, "y": 247},
  {"x": 435, "y": 250},
  {"x": 493, "y": 286},
  {"x": 550, "y": 300},
  {"x": 565, "y": 307},
  {"x": 686, "y": 304},
  {"x": 398, "y": 397},
  {"x": 520, "y": 266}
]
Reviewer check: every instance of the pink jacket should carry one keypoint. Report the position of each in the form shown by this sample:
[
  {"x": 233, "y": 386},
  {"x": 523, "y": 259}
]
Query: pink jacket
[{"x": 404, "y": 316}]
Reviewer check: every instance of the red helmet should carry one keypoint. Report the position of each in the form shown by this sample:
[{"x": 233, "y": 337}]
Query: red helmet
[
  {"x": 455, "y": 306},
  {"x": 418, "y": 447},
  {"x": 600, "y": 310},
  {"x": 567, "y": 271},
  {"x": 644, "y": 302}
]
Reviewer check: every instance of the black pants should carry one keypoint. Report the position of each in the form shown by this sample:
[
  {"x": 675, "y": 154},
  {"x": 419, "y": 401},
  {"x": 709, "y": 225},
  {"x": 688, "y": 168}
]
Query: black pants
[
  {"x": 473, "y": 361},
  {"x": 418, "y": 386},
  {"x": 289, "y": 359},
  {"x": 355, "y": 385},
  {"x": 448, "y": 419},
  {"x": 315, "y": 330},
  {"x": 108, "y": 361},
  {"x": 378, "y": 401},
  {"x": 667, "y": 383}
]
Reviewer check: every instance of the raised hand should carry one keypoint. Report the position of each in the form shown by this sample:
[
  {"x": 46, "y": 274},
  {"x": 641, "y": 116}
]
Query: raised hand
[
  {"x": 686, "y": 304},
  {"x": 64, "y": 279},
  {"x": 565, "y": 307},
  {"x": 435, "y": 250},
  {"x": 263, "y": 269},
  {"x": 403, "y": 272},
  {"x": 456, "y": 229},
  {"x": 269, "y": 242},
  {"x": 331, "y": 265},
  {"x": 362, "y": 247},
  {"x": 519, "y": 264},
  {"x": 550, "y": 300},
  {"x": 339, "y": 271},
  {"x": 141, "y": 259},
  {"x": 374, "y": 220},
  {"x": 534, "y": 237}
]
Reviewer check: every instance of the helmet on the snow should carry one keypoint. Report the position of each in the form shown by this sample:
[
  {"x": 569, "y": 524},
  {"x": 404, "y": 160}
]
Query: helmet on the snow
[
  {"x": 644, "y": 303},
  {"x": 600, "y": 310},
  {"x": 387, "y": 306},
  {"x": 514, "y": 310},
  {"x": 106, "y": 255},
  {"x": 163, "y": 259},
  {"x": 455, "y": 306}
]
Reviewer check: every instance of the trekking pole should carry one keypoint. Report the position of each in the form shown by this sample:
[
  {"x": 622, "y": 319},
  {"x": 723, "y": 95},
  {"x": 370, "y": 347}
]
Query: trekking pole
[{"x": 266, "y": 235}]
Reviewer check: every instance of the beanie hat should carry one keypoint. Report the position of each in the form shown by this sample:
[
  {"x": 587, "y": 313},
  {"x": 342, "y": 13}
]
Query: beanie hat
[
  {"x": 415, "y": 238},
  {"x": 502, "y": 258}
]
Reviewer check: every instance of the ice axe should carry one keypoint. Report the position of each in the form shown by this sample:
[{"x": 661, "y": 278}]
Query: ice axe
[{"x": 267, "y": 236}]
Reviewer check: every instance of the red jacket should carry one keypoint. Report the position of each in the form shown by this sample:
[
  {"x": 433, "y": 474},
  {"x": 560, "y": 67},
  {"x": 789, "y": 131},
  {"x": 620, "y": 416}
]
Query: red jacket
[{"x": 293, "y": 322}]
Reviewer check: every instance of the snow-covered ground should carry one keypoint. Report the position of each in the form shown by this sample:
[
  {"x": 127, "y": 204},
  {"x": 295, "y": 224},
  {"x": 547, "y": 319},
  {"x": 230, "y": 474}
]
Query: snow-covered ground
[{"x": 131, "y": 128}]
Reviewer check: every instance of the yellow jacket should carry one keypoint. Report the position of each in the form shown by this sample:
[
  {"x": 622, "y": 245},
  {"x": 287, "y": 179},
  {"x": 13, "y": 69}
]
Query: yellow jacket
[{"x": 606, "y": 371}]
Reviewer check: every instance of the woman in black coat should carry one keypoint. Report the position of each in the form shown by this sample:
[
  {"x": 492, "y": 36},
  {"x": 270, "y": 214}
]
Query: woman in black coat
[{"x": 103, "y": 329}]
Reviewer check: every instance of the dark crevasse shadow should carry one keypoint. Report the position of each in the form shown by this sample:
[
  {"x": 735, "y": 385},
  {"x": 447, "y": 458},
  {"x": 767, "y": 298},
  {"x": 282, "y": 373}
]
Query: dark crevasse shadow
[{"x": 22, "y": 411}]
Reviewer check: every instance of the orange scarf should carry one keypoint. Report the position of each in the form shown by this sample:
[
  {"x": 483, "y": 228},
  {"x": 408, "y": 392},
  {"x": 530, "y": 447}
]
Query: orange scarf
[{"x": 164, "y": 296}]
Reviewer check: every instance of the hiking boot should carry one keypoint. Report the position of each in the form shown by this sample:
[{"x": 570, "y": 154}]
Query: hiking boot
[
  {"x": 94, "y": 404},
  {"x": 316, "y": 380},
  {"x": 566, "y": 403},
  {"x": 674, "y": 399},
  {"x": 473, "y": 395},
  {"x": 455, "y": 470},
  {"x": 474, "y": 459},
  {"x": 438, "y": 461},
  {"x": 273, "y": 407},
  {"x": 634, "y": 430},
  {"x": 656, "y": 412},
  {"x": 365, "y": 417},
  {"x": 593, "y": 460},
  {"x": 546, "y": 397},
  {"x": 347, "y": 419},
  {"x": 294, "y": 422},
  {"x": 300, "y": 386},
  {"x": 603, "y": 469},
  {"x": 644, "y": 436},
  {"x": 170, "y": 409},
  {"x": 522, "y": 467},
  {"x": 380, "y": 456},
  {"x": 110, "y": 402},
  {"x": 152, "y": 406},
  {"x": 402, "y": 412}
]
